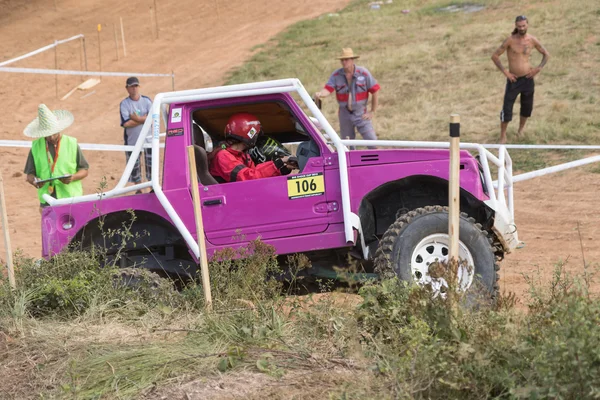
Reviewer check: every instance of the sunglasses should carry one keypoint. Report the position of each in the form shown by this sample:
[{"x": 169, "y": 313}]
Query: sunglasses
[{"x": 521, "y": 18}]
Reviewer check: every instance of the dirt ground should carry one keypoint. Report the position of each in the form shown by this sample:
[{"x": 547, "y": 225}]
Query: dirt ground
[{"x": 200, "y": 41}]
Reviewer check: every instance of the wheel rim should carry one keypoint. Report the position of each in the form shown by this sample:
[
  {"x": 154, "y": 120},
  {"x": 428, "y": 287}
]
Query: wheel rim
[{"x": 434, "y": 249}]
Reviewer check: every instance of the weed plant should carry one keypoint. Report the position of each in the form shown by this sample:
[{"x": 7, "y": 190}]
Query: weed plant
[{"x": 391, "y": 341}]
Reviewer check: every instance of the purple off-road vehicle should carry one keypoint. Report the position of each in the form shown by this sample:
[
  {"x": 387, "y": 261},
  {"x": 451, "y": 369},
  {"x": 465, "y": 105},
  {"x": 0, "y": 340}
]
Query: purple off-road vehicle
[{"x": 385, "y": 207}]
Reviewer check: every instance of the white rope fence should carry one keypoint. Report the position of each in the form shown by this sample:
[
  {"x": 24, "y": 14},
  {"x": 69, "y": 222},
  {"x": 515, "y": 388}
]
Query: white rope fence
[
  {"x": 73, "y": 72},
  {"x": 83, "y": 146},
  {"x": 42, "y": 49},
  {"x": 110, "y": 147},
  {"x": 543, "y": 146},
  {"x": 57, "y": 71}
]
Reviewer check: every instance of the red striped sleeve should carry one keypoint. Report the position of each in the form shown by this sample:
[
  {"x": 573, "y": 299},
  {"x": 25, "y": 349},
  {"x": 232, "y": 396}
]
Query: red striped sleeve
[
  {"x": 374, "y": 88},
  {"x": 329, "y": 88}
]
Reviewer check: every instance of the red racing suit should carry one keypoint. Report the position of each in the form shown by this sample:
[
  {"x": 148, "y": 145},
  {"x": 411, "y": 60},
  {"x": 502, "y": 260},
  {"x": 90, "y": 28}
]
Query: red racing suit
[{"x": 231, "y": 165}]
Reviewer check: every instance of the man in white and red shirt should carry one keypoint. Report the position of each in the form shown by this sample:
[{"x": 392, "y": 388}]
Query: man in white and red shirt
[{"x": 352, "y": 85}]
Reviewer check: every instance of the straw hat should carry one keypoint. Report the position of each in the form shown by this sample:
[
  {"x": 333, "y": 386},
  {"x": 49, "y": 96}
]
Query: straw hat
[
  {"x": 347, "y": 53},
  {"x": 47, "y": 123}
]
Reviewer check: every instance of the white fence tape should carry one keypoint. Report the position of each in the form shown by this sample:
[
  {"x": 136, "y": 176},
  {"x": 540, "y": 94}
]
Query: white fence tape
[
  {"x": 71, "y": 72},
  {"x": 112, "y": 147},
  {"x": 84, "y": 146},
  {"x": 555, "y": 168},
  {"x": 543, "y": 146},
  {"x": 40, "y": 50}
]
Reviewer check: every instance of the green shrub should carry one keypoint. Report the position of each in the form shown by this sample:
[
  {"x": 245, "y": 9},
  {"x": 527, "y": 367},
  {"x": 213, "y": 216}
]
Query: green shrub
[
  {"x": 425, "y": 349},
  {"x": 68, "y": 284},
  {"x": 239, "y": 275}
]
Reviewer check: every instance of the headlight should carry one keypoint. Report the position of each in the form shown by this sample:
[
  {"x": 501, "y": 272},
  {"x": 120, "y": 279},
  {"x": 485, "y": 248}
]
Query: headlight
[{"x": 66, "y": 222}]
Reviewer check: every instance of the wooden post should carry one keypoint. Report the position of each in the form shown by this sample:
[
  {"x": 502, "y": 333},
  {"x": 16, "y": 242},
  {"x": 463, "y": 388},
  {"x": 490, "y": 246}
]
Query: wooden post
[
  {"x": 9, "y": 261},
  {"x": 172, "y": 80},
  {"x": 123, "y": 38},
  {"x": 156, "y": 19},
  {"x": 152, "y": 22},
  {"x": 81, "y": 58},
  {"x": 84, "y": 53},
  {"x": 116, "y": 42},
  {"x": 56, "y": 67},
  {"x": 454, "y": 188},
  {"x": 99, "y": 49},
  {"x": 199, "y": 227}
]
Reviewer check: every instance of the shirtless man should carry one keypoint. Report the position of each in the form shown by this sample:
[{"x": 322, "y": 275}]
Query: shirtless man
[{"x": 519, "y": 76}]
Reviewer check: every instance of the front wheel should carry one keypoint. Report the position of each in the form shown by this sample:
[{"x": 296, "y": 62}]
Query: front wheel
[{"x": 414, "y": 247}]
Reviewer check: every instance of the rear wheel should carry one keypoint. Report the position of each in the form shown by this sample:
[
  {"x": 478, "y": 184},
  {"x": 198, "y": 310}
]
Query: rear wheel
[{"x": 415, "y": 246}]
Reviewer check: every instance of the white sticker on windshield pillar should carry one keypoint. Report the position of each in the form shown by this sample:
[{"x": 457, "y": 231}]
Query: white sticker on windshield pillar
[{"x": 175, "y": 115}]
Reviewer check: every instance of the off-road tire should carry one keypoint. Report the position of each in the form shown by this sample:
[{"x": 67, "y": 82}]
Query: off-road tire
[{"x": 392, "y": 257}]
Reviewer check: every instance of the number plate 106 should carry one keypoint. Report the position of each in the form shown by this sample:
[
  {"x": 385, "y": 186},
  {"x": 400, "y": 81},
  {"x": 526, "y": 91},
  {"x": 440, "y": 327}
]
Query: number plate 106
[{"x": 306, "y": 185}]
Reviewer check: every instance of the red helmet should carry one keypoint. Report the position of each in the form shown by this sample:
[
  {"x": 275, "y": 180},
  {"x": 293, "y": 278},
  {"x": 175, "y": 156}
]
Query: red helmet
[{"x": 244, "y": 127}]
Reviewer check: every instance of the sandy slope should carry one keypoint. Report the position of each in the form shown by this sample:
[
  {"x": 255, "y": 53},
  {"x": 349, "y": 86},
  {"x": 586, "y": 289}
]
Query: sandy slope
[
  {"x": 558, "y": 217},
  {"x": 200, "y": 43}
]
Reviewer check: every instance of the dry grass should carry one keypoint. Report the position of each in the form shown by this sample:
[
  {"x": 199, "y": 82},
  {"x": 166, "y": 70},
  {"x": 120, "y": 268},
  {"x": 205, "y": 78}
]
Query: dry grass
[
  {"x": 431, "y": 64},
  {"x": 43, "y": 356}
]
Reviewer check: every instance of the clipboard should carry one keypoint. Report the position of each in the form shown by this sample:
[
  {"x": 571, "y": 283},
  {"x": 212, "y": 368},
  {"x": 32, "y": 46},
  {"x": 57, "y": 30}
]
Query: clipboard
[{"x": 37, "y": 181}]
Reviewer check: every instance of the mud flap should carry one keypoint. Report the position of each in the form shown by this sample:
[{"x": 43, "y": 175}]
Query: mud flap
[{"x": 355, "y": 222}]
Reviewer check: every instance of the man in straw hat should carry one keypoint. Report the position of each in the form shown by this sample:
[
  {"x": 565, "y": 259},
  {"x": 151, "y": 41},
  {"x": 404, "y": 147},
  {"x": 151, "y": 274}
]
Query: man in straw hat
[
  {"x": 53, "y": 154},
  {"x": 352, "y": 85}
]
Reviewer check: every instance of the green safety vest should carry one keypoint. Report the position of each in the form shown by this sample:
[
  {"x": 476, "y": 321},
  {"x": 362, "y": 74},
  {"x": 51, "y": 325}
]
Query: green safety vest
[{"x": 66, "y": 164}]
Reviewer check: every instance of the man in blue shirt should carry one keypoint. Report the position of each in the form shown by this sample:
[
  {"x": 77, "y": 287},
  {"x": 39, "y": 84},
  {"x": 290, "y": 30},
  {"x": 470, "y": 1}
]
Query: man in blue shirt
[{"x": 134, "y": 110}]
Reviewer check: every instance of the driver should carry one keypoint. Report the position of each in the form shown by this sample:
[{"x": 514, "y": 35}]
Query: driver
[{"x": 232, "y": 163}]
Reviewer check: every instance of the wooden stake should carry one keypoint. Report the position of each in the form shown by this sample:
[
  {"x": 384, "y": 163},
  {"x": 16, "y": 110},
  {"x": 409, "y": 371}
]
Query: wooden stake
[
  {"x": 152, "y": 22},
  {"x": 123, "y": 38},
  {"x": 116, "y": 42},
  {"x": 454, "y": 188},
  {"x": 56, "y": 67},
  {"x": 173, "y": 80},
  {"x": 84, "y": 53},
  {"x": 81, "y": 58},
  {"x": 99, "y": 49},
  {"x": 156, "y": 19},
  {"x": 9, "y": 261},
  {"x": 199, "y": 227}
]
